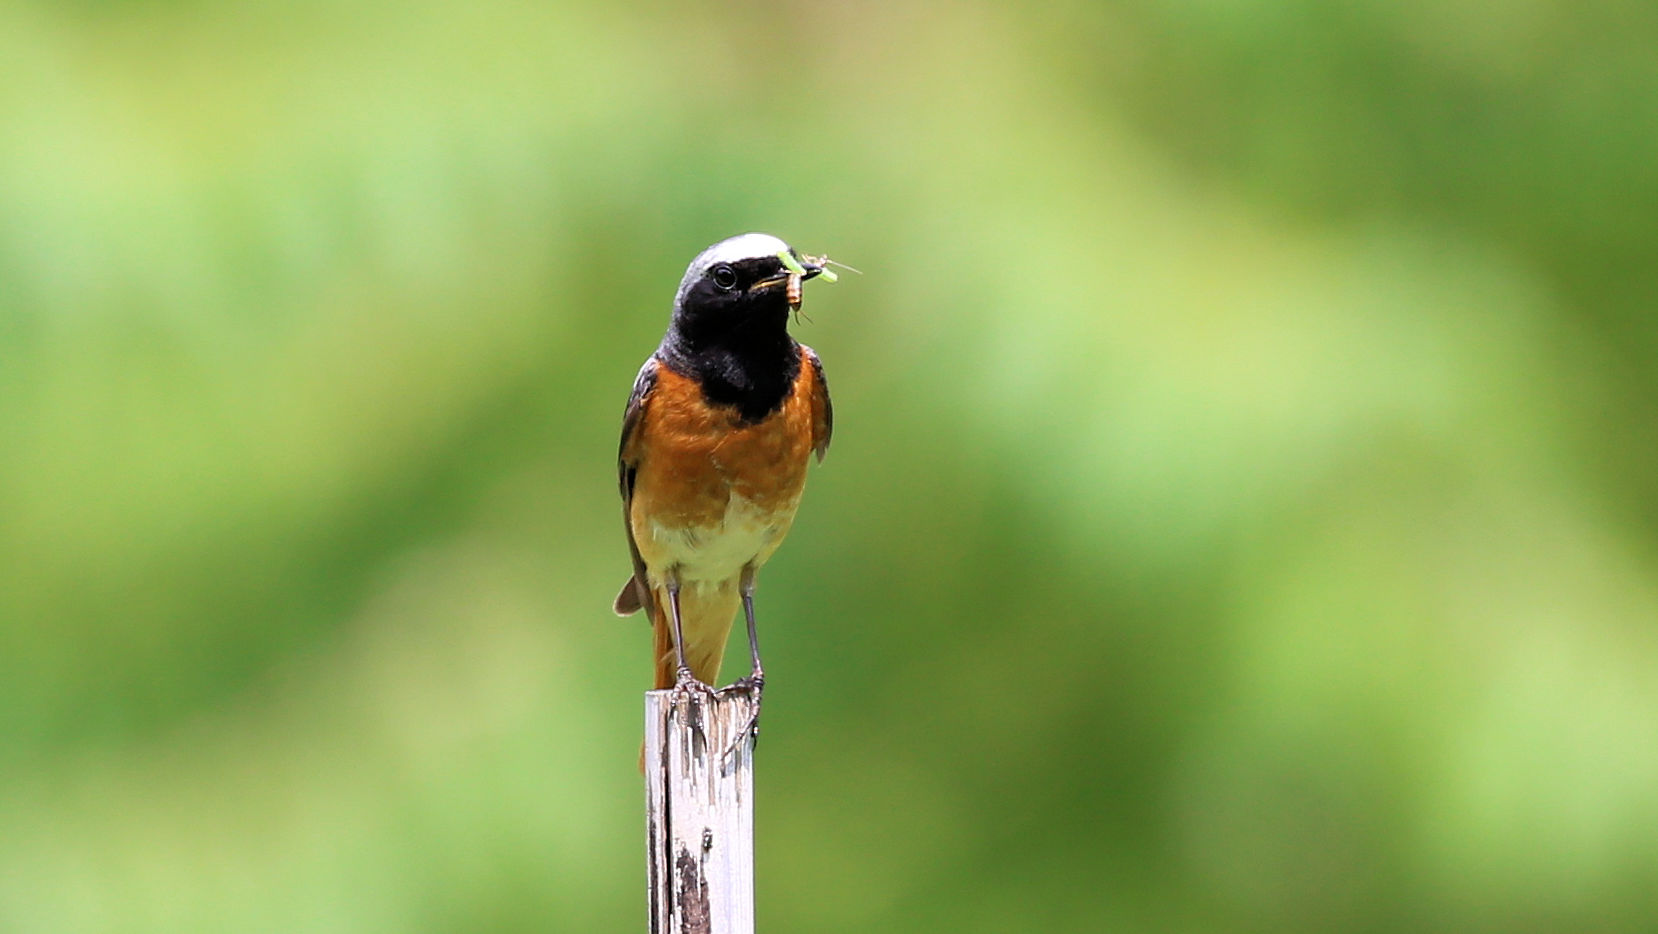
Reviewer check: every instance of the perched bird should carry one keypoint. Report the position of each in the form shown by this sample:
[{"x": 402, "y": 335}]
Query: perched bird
[{"x": 723, "y": 419}]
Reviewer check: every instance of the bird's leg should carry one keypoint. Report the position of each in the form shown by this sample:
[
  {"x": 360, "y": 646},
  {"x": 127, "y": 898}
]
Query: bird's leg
[
  {"x": 755, "y": 683},
  {"x": 757, "y": 677},
  {"x": 684, "y": 680}
]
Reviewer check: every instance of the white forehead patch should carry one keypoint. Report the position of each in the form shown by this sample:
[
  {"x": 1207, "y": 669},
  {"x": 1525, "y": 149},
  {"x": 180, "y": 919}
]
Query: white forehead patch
[
  {"x": 731, "y": 250},
  {"x": 741, "y": 247}
]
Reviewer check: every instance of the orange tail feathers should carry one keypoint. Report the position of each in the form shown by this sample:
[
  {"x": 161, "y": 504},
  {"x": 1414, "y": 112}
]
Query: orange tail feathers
[{"x": 706, "y": 617}]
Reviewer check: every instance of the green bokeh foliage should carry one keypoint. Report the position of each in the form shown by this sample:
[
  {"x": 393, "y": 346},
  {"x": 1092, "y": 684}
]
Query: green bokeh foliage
[{"x": 1240, "y": 515}]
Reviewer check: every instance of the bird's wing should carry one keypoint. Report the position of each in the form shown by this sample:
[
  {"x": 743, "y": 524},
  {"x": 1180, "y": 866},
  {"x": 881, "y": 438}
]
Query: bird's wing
[
  {"x": 823, "y": 414},
  {"x": 636, "y": 592}
]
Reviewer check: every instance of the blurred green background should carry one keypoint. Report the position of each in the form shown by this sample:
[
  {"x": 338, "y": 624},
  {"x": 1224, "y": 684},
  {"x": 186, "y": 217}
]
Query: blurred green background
[{"x": 1243, "y": 513}]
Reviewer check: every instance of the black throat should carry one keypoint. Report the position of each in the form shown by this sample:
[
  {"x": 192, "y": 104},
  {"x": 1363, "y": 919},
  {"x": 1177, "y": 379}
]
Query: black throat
[{"x": 752, "y": 367}]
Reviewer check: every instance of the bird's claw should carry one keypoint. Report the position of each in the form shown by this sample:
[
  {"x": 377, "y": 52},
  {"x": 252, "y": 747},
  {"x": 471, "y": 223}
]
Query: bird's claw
[
  {"x": 755, "y": 687},
  {"x": 753, "y": 684},
  {"x": 686, "y": 683}
]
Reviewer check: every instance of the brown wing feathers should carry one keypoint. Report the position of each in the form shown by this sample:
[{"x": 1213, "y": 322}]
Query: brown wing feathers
[
  {"x": 823, "y": 413},
  {"x": 635, "y": 594}
]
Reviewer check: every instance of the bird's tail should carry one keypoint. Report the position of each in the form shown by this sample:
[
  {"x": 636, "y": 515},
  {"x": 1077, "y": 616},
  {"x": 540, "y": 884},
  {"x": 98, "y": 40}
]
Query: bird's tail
[
  {"x": 628, "y": 601},
  {"x": 705, "y": 615}
]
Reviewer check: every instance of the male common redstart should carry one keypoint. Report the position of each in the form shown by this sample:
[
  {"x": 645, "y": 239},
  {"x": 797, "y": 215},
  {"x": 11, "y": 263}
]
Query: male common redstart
[{"x": 723, "y": 419}]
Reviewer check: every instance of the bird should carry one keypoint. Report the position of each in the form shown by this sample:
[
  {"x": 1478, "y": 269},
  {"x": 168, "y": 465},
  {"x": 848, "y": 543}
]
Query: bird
[{"x": 715, "y": 443}]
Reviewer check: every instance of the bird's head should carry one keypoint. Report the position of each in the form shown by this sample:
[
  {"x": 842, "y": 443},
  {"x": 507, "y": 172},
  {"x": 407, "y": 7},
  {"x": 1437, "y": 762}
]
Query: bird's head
[{"x": 738, "y": 284}]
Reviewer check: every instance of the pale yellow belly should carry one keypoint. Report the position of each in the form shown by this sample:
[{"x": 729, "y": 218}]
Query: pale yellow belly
[{"x": 713, "y": 553}]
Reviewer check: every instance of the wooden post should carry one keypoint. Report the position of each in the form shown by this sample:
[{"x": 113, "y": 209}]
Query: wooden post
[{"x": 699, "y": 801}]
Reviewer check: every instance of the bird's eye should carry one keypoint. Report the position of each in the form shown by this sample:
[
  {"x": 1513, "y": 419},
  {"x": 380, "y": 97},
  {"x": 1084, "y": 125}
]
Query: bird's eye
[{"x": 725, "y": 277}]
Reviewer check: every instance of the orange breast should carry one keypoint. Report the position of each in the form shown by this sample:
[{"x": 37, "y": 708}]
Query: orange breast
[{"x": 710, "y": 490}]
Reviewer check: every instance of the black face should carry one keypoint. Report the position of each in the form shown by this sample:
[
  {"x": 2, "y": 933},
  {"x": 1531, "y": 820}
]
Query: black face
[
  {"x": 730, "y": 326},
  {"x": 735, "y": 294}
]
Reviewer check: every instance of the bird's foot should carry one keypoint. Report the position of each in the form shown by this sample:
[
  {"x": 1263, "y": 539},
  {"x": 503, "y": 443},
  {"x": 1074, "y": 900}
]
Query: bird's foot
[
  {"x": 754, "y": 684},
  {"x": 686, "y": 683},
  {"x": 755, "y": 687}
]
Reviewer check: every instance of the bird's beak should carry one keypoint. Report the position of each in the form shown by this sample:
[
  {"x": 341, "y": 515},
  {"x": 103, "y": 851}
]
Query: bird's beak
[{"x": 806, "y": 270}]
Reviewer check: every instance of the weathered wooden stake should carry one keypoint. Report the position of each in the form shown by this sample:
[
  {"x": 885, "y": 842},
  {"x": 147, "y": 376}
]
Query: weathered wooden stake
[{"x": 699, "y": 802}]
